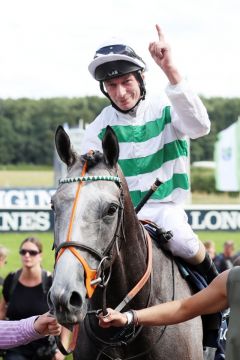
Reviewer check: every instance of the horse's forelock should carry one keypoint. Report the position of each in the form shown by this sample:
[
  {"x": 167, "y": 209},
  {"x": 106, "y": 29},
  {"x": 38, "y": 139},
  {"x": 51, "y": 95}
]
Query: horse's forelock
[{"x": 93, "y": 158}]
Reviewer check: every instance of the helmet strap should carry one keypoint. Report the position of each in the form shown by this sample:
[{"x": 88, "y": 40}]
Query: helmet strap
[
  {"x": 139, "y": 78},
  {"x": 138, "y": 75}
]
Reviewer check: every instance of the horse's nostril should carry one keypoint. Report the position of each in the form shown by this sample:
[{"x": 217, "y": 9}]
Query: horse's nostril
[{"x": 75, "y": 299}]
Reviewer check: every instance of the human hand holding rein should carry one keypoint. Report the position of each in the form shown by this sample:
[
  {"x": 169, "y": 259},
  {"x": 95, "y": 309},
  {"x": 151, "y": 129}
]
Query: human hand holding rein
[
  {"x": 114, "y": 318},
  {"x": 47, "y": 325}
]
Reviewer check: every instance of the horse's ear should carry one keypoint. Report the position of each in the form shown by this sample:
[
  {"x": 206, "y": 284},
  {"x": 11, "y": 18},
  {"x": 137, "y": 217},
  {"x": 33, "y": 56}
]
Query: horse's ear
[
  {"x": 63, "y": 146},
  {"x": 110, "y": 147}
]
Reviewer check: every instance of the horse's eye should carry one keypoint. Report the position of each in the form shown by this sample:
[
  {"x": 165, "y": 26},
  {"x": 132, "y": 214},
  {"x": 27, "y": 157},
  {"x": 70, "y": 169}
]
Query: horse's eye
[
  {"x": 52, "y": 206},
  {"x": 112, "y": 209}
]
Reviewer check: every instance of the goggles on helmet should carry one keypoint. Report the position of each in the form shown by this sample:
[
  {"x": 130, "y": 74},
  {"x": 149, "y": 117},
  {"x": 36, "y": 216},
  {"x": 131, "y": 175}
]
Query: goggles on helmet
[{"x": 117, "y": 49}]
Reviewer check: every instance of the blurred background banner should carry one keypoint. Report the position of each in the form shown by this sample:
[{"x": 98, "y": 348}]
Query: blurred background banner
[
  {"x": 227, "y": 158},
  {"x": 28, "y": 216}
]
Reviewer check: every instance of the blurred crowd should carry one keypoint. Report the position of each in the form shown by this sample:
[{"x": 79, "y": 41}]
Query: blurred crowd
[
  {"x": 226, "y": 259},
  {"x": 23, "y": 295}
]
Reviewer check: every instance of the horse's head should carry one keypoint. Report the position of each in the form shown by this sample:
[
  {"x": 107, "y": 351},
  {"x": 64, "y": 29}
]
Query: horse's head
[{"x": 88, "y": 210}]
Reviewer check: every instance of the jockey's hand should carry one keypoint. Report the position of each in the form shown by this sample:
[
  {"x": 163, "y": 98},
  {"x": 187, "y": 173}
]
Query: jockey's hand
[
  {"x": 113, "y": 318},
  {"x": 161, "y": 53}
]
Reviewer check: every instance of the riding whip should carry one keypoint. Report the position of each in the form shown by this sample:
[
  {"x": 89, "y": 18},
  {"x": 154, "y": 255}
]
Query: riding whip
[{"x": 152, "y": 189}]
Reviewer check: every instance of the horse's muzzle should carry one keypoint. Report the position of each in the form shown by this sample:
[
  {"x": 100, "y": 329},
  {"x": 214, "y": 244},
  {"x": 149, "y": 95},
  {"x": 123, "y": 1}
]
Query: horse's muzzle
[{"x": 66, "y": 306}]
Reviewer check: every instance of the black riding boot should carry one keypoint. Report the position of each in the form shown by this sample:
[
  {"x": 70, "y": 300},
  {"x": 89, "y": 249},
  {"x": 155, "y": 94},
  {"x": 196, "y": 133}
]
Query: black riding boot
[{"x": 207, "y": 268}]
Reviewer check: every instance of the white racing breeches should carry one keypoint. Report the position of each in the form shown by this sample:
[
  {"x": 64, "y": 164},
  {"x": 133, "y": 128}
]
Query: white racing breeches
[{"x": 170, "y": 216}]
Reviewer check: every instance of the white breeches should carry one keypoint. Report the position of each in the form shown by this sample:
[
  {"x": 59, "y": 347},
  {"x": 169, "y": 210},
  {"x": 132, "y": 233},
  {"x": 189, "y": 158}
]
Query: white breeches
[{"x": 170, "y": 216}]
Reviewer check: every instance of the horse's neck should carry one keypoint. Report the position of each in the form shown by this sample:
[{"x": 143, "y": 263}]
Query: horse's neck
[{"x": 130, "y": 265}]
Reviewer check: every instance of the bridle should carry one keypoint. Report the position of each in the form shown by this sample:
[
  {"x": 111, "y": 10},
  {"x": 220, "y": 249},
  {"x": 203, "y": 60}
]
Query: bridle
[
  {"x": 97, "y": 277},
  {"x": 92, "y": 276}
]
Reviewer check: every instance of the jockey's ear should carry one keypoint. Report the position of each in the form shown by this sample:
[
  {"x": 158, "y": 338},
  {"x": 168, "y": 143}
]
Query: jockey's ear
[
  {"x": 110, "y": 147},
  {"x": 63, "y": 146}
]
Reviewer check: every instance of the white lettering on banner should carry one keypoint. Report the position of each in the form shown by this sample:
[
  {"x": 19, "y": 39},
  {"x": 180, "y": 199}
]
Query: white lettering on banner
[
  {"x": 14, "y": 197},
  {"x": 1, "y": 196},
  {"x": 18, "y": 199},
  {"x": 196, "y": 220},
  {"x": 25, "y": 221},
  {"x": 215, "y": 220},
  {"x": 9, "y": 221},
  {"x": 230, "y": 219}
]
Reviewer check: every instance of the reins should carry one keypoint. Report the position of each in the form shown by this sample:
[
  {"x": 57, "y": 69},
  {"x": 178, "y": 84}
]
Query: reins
[
  {"x": 144, "y": 278},
  {"x": 128, "y": 333},
  {"x": 135, "y": 333}
]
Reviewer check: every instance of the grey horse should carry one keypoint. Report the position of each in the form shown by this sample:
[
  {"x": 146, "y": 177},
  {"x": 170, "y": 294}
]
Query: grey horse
[{"x": 97, "y": 232}]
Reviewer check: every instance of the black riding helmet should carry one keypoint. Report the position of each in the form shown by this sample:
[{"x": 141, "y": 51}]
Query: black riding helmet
[{"x": 114, "y": 60}]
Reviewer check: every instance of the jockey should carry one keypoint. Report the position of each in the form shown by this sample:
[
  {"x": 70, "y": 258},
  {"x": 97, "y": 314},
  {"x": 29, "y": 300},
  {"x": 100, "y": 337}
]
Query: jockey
[{"x": 152, "y": 135}]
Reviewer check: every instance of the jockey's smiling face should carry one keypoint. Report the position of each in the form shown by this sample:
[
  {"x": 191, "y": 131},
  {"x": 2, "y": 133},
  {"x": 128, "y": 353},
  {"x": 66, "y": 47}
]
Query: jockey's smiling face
[{"x": 124, "y": 91}]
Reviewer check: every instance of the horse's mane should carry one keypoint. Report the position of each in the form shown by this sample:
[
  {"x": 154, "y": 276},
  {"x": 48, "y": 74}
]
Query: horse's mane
[{"x": 93, "y": 158}]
